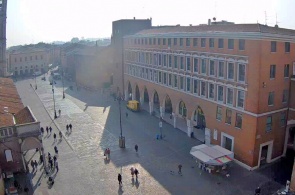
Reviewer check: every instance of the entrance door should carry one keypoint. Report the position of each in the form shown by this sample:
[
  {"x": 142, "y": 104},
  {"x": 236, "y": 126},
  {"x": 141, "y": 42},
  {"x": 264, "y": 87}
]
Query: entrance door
[
  {"x": 228, "y": 143},
  {"x": 263, "y": 157}
]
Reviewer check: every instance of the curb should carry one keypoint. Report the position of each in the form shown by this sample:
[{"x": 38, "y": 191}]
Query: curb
[{"x": 52, "y": 119}]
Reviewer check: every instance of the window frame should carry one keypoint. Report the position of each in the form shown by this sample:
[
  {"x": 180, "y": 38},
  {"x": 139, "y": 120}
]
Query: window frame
[
  {"x": 227, "y": 96},
  {"x": 203, "y": 42},
  {"x": 239, "y": 115},
  {"x": 286, "y": 71},
  {"x": 287, "y": 47},
  {"x": 228, "y": 116},
  {"x": 188, "y": 85},
  {"x": 233, "y": 71},
  {"x": 203, "y": 65},
  {"x": 196, "y": 65},
  {"x": 273, "y": 46},
  {"x": 218, "y": 89},
  {"x": 220, "y": 43},
  {"x": 271, "y": 97},
  {"x": 203, "y": 84},
  {"x": 209, "y": 91},
  {"x": 210, "y": 64},
  {"x": 241, "y": 81},
  {"x": 272, "y": 71},
  {"x": 219, "y": 113},
  {"x": 242, "y": 44},
  {"x": 188, "y": 65},
  {"x": 230, "y": 44},
  {"x": 268, "y": 124},
  {"x": 196, "y": 83},
  {"x": 237, "y": 101},
  {"x": 211, "y": 42}
]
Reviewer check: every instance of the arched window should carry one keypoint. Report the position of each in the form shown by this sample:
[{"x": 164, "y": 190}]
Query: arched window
[{"x": 182, "y": 109}]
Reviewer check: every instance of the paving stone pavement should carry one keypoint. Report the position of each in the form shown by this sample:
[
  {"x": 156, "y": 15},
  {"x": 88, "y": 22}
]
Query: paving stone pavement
[{"x": 95, "y": 120}]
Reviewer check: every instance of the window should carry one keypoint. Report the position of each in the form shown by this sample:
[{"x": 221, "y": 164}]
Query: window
[
  {"x": 272, "y": 72},
  {"x": 287, "y": 47},
  {"x": 196, "y": 87},
  {"x": 220, "y": 43},
  {"x": 150, "y": 41},
  {"x": 203, "y": 88},
  {"x": 145, "y": 41},
  {"x": 273, "y": 47},
  {"x": 20, "y": 59},
  {"x": 165, "y": 60},
  {"x": 203, "y": 42},
  {"x": 242, "y": 72},
  {"x": 221, "y": 69},
  {"x": 212, "y": 68},
  {"x": 31, "y": 57},
  {"x": 239, "y": 120},
  {"x": 25, "y": 58},
  {"x": 159, "y": 41},
  {"x": 188, "y": 84},
  {"x": 268, "y": 123},
  {"x": 211, "y": 42},
  {"x": 241, "y": 44},
  {"x": 154, "y": 41},
  {"x": 283, "y": 119},
  {"x": 170, "y": 61},
  {"x": 230, "y": 44},
  {"x": 181, "y": 63},
  {"x": 175, "y": 81},
  {"x": 175, "y": 62},
  {"x": 220, "y": 93},
  {"x": 181, "y": 82},
  {"x": 271, "y": 98},
  {"x": 204, "y": 67},
  {"x": 188, "y": 42},
  {"x": 211, "y": 91},
  {"x": 229, "y": 96},
  {"x": 188, "y": 64},
  {"x": 169, "y": 79},
  {"x": 286, "y": 71},
  {"x": 169, "y": 41},
  {"x": 8, "y": 155},
  {"x": 230, "y": 71},
  {"x": 195, "y": 42},
  {"x": 228, "y": 116},
  {"x": 181, "y": 42},
  {"x": 164, "y": 41},
  {"x": 285, "y": 96},
  {"x": 219, "y": 113},
  {"x": 160, "y": 77},
  {"x": 36, "y": 57},
  {"x": 164, "y": 78},
  {"x": 241, "y": 98},
  {"x": 196, "y": 64},
  {"x": 175, "y": 41},
  {"x": 160, "y": 59}
]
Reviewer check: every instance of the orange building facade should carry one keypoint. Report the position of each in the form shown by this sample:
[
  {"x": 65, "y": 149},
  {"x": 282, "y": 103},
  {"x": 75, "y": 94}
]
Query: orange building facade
[{"x": 229, "y": 85}]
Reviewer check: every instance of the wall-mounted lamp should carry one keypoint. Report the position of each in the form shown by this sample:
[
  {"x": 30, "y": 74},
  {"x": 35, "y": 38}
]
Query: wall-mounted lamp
[{"x": 263, "y": 84}]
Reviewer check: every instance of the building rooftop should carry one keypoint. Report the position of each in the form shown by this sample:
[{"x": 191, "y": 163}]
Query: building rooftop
[
  {"x": 258, "y": 28},
  {"x": 25, "y": 115}
]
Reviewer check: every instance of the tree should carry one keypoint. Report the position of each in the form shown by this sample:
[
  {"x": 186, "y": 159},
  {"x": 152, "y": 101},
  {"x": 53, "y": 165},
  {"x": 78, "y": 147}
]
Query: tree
[{"x": 75, "y": 40}]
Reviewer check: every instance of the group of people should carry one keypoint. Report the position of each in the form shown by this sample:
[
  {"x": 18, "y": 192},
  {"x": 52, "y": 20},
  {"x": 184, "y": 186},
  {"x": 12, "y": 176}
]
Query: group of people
[
  {"x": 34, "y": 164},
  {"x": 107, "y": 153},
  {"x": 52, "y": 162},
  {"x": 69, "y": 127}
]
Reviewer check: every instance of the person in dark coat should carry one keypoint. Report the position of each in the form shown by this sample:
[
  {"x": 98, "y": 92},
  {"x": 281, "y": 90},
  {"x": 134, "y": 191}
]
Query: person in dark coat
[
  {"x": 120, "y": 179},
  {"x": 136, "y": 147},
  {"x": 50, "y": 129},
  {"x": 70, "y": 126},
  {"x": 136, "y": 173},
  {"x": 47, "y": 130}
]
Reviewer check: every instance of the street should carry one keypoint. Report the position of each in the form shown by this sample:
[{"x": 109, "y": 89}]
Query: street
[{"x": 95, "y": 119}]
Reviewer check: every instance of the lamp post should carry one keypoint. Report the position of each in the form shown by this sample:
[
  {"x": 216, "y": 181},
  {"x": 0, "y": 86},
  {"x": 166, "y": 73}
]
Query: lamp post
[
  {"x": 55, "y": 116},
  {"x": 121, "y": 138},
  {"x": 63, "y": 89}
]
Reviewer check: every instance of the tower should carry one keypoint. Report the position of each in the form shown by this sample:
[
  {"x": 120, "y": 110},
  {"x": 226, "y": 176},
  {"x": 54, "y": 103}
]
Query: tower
[{"x": 3, "y": 64}]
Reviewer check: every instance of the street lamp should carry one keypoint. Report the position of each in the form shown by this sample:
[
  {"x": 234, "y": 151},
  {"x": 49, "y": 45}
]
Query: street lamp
[
  {"x": 63, "y": 89},
  {"x": 121, "y": 138},
  {"x": 55, "y": 116}
]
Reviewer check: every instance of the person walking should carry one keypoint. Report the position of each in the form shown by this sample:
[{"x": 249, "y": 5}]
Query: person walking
[
  {"x": 56, "y": 166},
  {"x": 36, "y": 164},
  {"x": 54, "y": 137},
  {"x": 136, "y": 173},
  {"x": 106, "y": 153},
  {"x": 59, "y": 112},
  {"x": 60, "y": 135},
  {"x": 67, "y": 127},
  {"x": 179, "y": 168},
  {"x": 109, "y": 153},
  {"x": 136, "y": 147},
  {"x": 120, "y": 179},
  {"x": 32, "y": 164},
  {"x": 47, "y": 130},
  {"x": 42, "y": 130},
  {"x": 50, "y": 129},
  {"x": 41, "y": 159},
  {"x": 50, "y": 163},
  {"x": 55, "y": 150},
  {"x": 70, "y": 126},
  {"x": 257, "y": 191},
  {"x": 132, "y": 172},
  {"x": 54, "y": 159},
  {"x": 126, "y": 114}
]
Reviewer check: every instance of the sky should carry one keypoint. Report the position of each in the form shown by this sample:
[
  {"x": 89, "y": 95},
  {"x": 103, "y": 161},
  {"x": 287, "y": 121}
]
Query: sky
[{"x": 34, "y": 21}]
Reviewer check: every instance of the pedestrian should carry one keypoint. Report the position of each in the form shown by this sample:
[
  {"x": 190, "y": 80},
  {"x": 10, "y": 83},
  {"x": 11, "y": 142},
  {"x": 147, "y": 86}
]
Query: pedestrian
[
  {"x": 106, "y": 153},
  {"x": 36, "y": 164},
  {"x": 60, "y": 135},
  {"x": 50, "y": 129},
  {"x": 49, "y": 155},
  {"x": 59, "y": 112},
  {"x": 70, "y": 126},
  {"x": 42, "y": 130},
  {"x": 179, "y": 168},
  {"x": 54, "y": 137},
  {"x": 54, "y": 159},
  {"x": 120, "y": 179},
  {"x": 55, "y": 149},
  {"x": 47, "y": 130},
  {"x": 257, "y": 191},
  {"x": 41, "y": 158},
  {"x": 136, "y": 147},
  {"x": 51, "y": 164},
  {"x": 132, "y": 171},
  {"x": 56, "y": 166},
  {"x": 32, "y": 164},
  {"x": 136, "y": 173},
  {"x": 109, "y": 153},
  {"x": 67, "y": 127},
  {"x": 126, "y": 114}
]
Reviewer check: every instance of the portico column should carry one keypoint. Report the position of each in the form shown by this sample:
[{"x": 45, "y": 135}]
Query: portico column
[
  {"x": 174, "y": 119},
  {"x": 161, "y": 111},
  {"x": 189, "y": 127},
  {"x": 133, "y": 96},
  {"x": 151, "y": 107},
  {"x": 126, "y": 95}
]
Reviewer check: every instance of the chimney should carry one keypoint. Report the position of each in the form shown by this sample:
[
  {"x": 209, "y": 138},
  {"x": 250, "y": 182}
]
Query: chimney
[{"x": 209, "y": 21}]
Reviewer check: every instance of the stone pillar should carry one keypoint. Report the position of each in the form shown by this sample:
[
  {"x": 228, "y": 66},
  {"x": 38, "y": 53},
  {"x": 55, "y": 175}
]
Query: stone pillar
[
  {"x": 207, "y": 136},
  {"x": 292, "y": 184},
  {"x": 141, "y": 100},
  {"x": 174, "y": 119},
  {"x": 126, "y": 95},
  {"x": 151, "y": 104},
  {"x": 133, "y": 96},
  {"x": 162, "y": 111},
  {"x": 189, "y": 127}
]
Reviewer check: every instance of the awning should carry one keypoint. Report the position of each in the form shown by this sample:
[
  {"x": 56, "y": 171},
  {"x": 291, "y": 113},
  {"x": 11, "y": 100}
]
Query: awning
[{"x": 212, "y": 155}]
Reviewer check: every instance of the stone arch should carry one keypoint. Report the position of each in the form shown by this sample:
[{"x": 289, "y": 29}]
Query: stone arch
[
  {"x": 146, "y": 97},
  {"x": 168, "y": 108},
  {"x": 182, "y": 110},
  {"x": 198, "y": 118},
  {"x": 137, "y": 93},
  {"x": 30, "y": 143}
]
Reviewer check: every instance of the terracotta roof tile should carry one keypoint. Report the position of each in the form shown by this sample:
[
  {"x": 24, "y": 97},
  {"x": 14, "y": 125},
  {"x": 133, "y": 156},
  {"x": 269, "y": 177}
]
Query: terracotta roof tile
[{"x": 24, "y": 116}]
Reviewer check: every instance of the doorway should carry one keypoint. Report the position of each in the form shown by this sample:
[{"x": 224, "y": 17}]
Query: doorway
[
  {"x": 227, "y": 142},
  {"x": 263, "y": 155}
]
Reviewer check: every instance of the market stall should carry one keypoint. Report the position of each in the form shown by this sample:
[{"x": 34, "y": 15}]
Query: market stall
[{"x": 212, "y": 158}]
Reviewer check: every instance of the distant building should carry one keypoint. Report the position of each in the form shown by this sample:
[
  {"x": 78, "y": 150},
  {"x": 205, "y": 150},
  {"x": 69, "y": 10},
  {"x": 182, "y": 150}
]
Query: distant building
[
  {"x": 226, "y": 84},
  {"x": 3, "y": 63}
]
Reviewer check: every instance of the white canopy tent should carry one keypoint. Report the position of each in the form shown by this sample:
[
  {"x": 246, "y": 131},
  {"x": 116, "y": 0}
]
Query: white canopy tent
[{"x": 212, "y": 155}]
